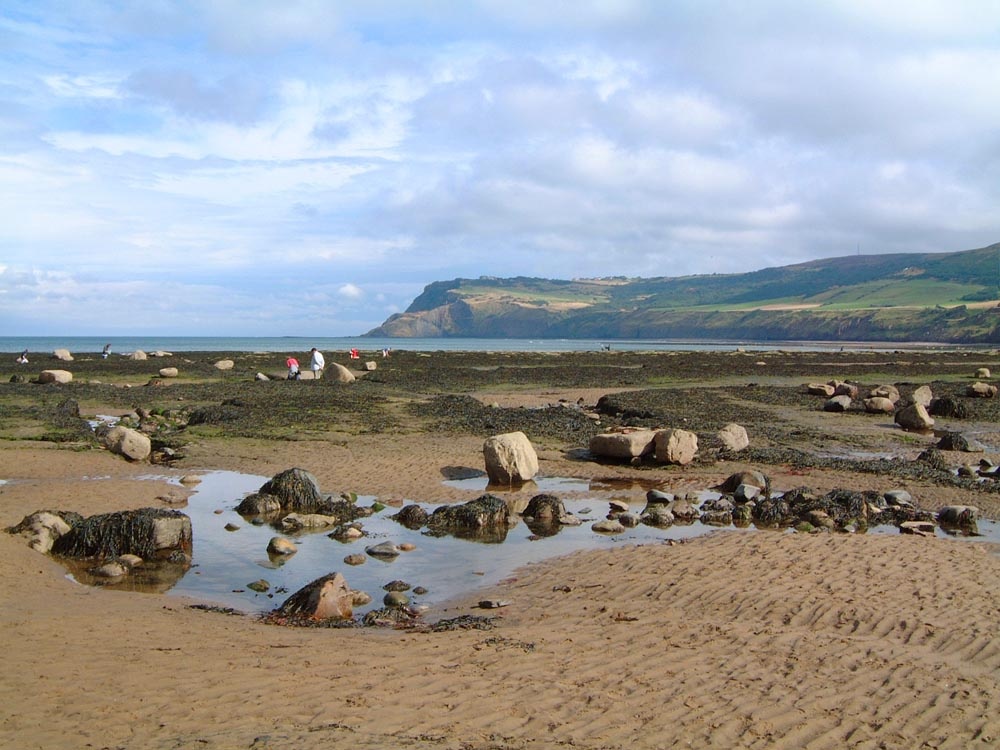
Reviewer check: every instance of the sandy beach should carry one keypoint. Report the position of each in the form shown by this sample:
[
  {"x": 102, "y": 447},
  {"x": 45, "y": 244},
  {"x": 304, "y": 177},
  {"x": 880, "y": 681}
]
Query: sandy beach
[{"x": 746, "y": 639}]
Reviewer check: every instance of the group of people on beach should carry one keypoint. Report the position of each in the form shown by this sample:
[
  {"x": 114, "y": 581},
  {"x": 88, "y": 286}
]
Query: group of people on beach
[{"x": 316, "y": 363}]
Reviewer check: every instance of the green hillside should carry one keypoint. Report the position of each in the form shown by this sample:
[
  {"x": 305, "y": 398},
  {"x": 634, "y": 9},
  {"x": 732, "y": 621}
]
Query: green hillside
[{"x": 899, "y": 297}]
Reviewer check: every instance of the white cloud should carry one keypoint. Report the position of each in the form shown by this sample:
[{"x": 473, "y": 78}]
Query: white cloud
[{"x": 348, "y": 154}]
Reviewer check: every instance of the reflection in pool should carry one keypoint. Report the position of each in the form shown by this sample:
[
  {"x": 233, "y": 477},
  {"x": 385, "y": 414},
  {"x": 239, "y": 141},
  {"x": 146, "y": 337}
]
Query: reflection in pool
[{"x": 225, "y": 562}]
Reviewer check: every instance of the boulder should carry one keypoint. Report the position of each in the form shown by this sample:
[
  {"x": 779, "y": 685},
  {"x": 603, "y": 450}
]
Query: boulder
[
  {"x": 914, "y": 417},
  {"x": 340, "y": 373},
  {"x": 675, "y": 446},
  {"x": 225, "y": 364},
  {"x": 734, "y": 437},
  {"x": 983, "y": 373},
  {"x": 946, "y": 406},
  {"x": 62, "y": 355},
  {"x": 608, "y": 526},
  {"x": 127, "y": 442},
  {"x": 922, "y": 395},
  {"x": 627, "y": 444},
  {"x": 748, "y": 477},
  {"x": 545, "y": 508},
  {"x": 42, "y": 529},
  {"x": 510, "y": 458},
  {"x": 383, "y": 551},
  {"x": 981, "y": 390},
  {"x": 483, "y": 512},
  {"x": 820, "y": 389},
  {"x": 959, "y": 516},
  {"x": 293, "y": 490},
  {"x": 956, "y": 441},
  {"x": 261, "y": 377},
  {"x": 879, "y": 405},
  {"x": 412, "y": 516},
  {"x": 281, "y": 546},
  {"x": 846, "y": 389},
  {"x": 168, "y": 372},
  {"x": 657, "y": 514},
  {"x": 326, "y": 598},
  {"x": 149, "y": 533},
  {"x": 890, "y": 392},
  {"x": 55, "y": 376},
  {"x": 371, "y": 366},
  {"x": 138, "y": 354},
  {"x": 838, "y": 403}
]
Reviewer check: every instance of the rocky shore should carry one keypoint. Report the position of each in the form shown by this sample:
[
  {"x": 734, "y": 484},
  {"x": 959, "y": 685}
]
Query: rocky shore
[{"x": 826, "y": 637}]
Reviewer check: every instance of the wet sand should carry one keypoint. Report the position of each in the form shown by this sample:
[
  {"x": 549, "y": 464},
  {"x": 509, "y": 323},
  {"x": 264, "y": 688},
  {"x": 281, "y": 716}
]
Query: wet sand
[{"x": 732, "y": 640}]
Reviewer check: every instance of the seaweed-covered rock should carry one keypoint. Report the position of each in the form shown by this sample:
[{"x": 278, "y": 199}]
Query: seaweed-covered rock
[
  {"x": 486, "y": 511},
  {"x": 150, "y": 533},
  {"x": 772, "y": 512},
  {"x": 296, "y": 489},
  {"x": 412, "y": 516},
  {"x": 956, "y": 441},
  {"x": 946, "y": 406},
  {"x": 964, "y": 517},
  {"x": 545, "y": 507}
]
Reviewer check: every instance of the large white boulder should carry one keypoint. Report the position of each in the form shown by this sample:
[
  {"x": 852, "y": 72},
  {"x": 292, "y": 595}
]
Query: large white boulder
[
  {"x": 55, "y": 376},
  {"x": 127, "y": 442},
  {"x": 629, "y": 444},
  {"x": 510, "y": 458},
  {"x": 674, "y": 446},
  {"x": 340, "y": 373},
  {"x": 734, "y": 437}
]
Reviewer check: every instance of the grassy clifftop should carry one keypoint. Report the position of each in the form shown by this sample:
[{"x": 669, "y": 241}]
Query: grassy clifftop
[{"x": 949, "y": 297}]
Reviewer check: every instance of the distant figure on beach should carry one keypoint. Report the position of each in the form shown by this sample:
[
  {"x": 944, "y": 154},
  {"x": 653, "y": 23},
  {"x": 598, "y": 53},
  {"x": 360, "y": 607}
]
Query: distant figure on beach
[
  {"x": 293, "y": 368},
  {"x": 317, "y": 364},
  {"x": 355, "y": 354},
  {"x": 22, "y": 358},
  {"x": 107, "y": 351},
  {"x": 385, "y": 352}
]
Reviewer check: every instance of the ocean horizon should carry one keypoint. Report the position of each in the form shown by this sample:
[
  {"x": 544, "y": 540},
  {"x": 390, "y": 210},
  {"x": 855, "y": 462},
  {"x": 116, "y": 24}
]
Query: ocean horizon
[{"x": 127, "y": 344}]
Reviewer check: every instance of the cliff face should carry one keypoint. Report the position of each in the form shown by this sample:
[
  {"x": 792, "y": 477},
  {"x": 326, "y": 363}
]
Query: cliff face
[{"x": 945, "y": 297}]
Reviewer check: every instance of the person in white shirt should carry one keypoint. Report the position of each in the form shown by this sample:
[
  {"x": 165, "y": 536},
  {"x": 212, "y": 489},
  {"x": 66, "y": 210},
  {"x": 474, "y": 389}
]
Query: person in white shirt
[{"x": 317, "y": 364}]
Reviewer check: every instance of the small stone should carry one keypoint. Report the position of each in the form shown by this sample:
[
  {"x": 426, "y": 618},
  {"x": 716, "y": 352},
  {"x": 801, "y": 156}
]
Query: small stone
[
  {"x": 355, "y": 559},
  {"x": 420, "y": 590},
  {"x": 281, "y": 546},
  {"x": 608, "y": 527},
  {"x": 396, "y": 586},
  {"x": 260, "y": 585},
  {"x": 493, "y": 603},
  {"x": 406, "y": 547},
  {"x": 383, "y": 550},
  {"x": 395, "y": 599},
  {"x": 232, "y": 526}
]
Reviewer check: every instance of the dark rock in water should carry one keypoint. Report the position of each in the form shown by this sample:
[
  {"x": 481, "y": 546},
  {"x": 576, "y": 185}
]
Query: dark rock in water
[
  {"x": 963, "y": 517},
  {"x": 946, "y": 406},
  {"x": 654, "y": 497},
  {"x": 743, "y": 515},
  {"x": 383, "y": 550},
  {"x": 296, "y": 489},
  {"x": 717, "y": 518},
  {"x": 545, "y": 508},
  {"x": 657, "y": 514},
  {"x": 260, "y": 585},
  {"x": 484, "y": 512},
  {"x": 772, "y": 512},
  {"x": 412, "y": 516},
  {"x": 395, "y": 599},
  {"x": 396, "y": 586},
  {"x": 256, "y": 504}
]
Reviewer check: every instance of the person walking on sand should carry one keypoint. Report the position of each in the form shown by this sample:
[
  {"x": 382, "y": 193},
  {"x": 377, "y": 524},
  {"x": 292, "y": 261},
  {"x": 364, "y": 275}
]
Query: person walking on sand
[
  {"x": 293, "y": 368},
  {"x": 106, "y": 352},
  {"x": 317, "y": 364},
  {"x": 23, "y": 358}
]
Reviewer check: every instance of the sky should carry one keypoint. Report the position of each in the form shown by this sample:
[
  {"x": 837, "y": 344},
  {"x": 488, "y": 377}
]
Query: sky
[{"x": 306, "y": 167}]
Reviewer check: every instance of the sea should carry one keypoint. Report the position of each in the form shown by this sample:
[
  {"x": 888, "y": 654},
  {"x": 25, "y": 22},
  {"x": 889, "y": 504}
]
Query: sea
[{"x": 127, "y": 344}]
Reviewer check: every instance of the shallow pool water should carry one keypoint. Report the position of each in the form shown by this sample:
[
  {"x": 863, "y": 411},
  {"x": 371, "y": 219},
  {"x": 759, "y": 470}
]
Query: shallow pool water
[{"x": 224, "y": 562}]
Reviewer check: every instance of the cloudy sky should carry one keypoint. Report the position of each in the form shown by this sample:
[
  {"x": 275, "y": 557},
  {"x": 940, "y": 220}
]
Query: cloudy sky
[{"x": 305, "y": 167}]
